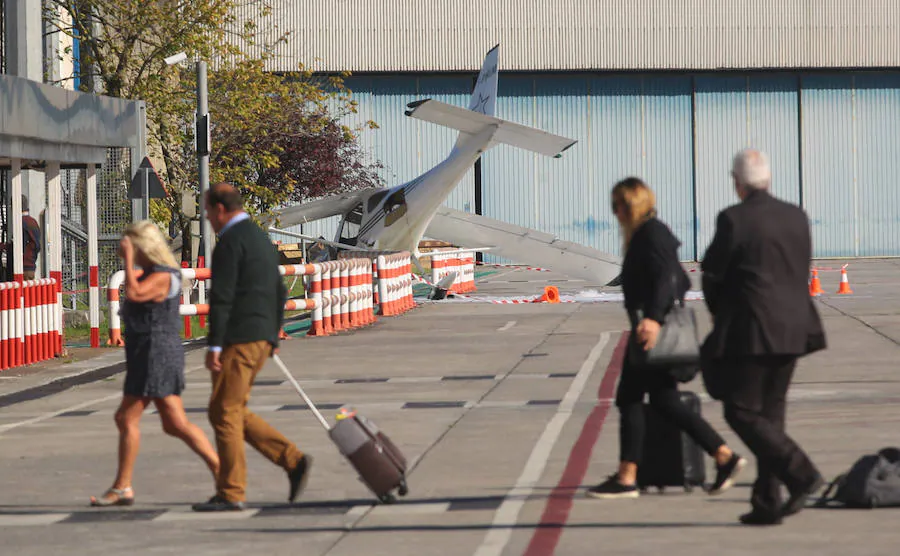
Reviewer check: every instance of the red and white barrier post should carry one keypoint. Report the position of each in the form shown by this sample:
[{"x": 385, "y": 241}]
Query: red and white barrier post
[
  {"x": 33, "y": 305},
  {"x": 93, "y": 256}
]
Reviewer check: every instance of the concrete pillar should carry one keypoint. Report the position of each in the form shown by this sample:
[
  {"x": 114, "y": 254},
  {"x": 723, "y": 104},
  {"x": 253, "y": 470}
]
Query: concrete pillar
[
  {"x": 25, "y": 58},
  {"x": 24, "y": 39},
  {"x": 53, "y": 233},
  {"x": 15, "y": 222}
]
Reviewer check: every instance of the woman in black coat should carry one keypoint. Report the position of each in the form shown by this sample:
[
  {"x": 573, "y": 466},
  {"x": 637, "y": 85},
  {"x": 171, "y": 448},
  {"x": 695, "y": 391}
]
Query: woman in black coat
[{"x": 652, "y": 277}]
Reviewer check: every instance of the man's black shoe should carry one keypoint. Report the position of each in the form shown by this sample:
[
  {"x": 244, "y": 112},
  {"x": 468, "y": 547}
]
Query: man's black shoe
[
  {"x": 299, "y": 476},
  {"x": 218, "y": 504},
  {"x": 757, "y": 517},
  {"x": 797, "y": 501}
]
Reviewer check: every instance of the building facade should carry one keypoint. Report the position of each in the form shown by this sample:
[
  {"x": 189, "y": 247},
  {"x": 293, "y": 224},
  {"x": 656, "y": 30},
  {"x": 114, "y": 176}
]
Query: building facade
[{"x": 667, "y": 91}]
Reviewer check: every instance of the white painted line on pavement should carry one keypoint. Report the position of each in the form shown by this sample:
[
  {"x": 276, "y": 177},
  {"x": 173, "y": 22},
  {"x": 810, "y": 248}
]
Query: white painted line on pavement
[
  {"x": 500, "y": 404},
  {"x": 18, "y": 520},
  {"x": 413, "y": 379},
  {"x": 507, "y": 515},
  {"x": 490, "y": 278},
  {"x": 357, "y": 512},
  {"x": 82, "y": 367},
  {"x": 45, "y": 416},
  {"x": 410, "y": 509},
  {"x": 189, "y": 515},
  {"x": 506, "y": 326}
]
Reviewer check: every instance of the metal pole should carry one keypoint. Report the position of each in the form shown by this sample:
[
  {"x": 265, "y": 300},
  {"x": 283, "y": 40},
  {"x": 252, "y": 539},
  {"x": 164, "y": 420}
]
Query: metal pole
[
  {"x": 138, "y": 151},
  {"x": 145, "y": 196},
  {"x": 203, "y": 148}
]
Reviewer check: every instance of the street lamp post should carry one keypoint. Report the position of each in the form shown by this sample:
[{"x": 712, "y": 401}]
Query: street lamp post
[{"x": 202, "y": 143}]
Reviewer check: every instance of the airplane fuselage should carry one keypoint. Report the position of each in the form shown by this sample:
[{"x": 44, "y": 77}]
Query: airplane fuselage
[{"x": 396, "y": 218}]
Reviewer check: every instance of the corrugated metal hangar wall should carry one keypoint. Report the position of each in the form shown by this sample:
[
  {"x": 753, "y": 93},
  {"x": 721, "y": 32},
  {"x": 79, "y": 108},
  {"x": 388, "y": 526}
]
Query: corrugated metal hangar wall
[{"x": 830, "y": 131}]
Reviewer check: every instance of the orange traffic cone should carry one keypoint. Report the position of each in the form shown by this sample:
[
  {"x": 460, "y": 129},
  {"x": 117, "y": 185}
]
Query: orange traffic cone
[
  {"x": 551, "y": 295},
  {"x": 815, "y": 287},
  {"x": 845, "y": 284}
]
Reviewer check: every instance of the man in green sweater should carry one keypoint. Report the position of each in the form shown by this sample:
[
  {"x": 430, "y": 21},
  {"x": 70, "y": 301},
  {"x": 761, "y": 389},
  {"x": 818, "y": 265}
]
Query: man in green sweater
[{"x": 246, "y": 311}]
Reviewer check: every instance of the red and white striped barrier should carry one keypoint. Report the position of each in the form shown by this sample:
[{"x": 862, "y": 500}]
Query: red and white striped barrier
[
  {"x": 392, "y": 272},
  {"x": 30, "y": 323},
  {"x": 463, "y": 263},
  {"x": 113, "y": 297},
  {"x": 11, "y": 347},
  {"x": 341, "y": 294},
  {"x": 395, "y": 284},
  {"x": 340, "y": 297}
]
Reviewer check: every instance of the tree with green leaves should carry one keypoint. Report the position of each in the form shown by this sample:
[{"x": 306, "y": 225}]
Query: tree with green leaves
[{"x": 279, "y": 138}]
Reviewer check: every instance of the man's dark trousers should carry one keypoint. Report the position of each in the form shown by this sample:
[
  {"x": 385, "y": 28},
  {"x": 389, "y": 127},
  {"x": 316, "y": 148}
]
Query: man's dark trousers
[{"x": 755, "y": 409}]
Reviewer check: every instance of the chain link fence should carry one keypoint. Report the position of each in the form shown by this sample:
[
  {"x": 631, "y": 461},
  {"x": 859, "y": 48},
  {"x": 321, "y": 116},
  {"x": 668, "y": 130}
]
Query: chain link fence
[{"x": 114, "y": 210}]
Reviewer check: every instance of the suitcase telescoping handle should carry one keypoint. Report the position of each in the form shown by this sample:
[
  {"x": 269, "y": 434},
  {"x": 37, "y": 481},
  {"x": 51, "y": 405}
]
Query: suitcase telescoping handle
[{"x": 300, "y": 391}]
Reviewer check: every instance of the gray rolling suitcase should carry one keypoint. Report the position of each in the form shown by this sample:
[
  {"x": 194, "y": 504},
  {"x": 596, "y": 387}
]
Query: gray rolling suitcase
[{"x": 380, "y": 465}]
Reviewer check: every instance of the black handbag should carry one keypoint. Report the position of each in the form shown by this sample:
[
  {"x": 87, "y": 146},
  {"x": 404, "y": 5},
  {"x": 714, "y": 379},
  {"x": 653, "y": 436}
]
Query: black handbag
[{"x": 678, "y": 343}]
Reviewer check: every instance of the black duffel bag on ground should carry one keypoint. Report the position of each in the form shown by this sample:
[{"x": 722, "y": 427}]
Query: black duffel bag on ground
[{"x": 872, "y": 482}]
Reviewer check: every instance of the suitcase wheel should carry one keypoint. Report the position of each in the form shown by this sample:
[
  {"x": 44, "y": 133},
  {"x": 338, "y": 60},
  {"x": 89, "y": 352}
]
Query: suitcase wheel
[
  {"x": 387, "y": 498},
  {"x": 403, "y": 490}
]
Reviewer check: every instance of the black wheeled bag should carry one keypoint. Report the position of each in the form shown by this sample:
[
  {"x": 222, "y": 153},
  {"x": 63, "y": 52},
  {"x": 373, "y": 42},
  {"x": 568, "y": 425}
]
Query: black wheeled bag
[
  {"x": 671, "y": 457},
  {"x": 380, "y": 464}
]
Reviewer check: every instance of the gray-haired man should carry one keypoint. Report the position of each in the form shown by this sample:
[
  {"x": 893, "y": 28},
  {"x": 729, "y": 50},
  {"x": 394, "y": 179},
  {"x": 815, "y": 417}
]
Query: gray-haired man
[{"x": 755, "y": 284}]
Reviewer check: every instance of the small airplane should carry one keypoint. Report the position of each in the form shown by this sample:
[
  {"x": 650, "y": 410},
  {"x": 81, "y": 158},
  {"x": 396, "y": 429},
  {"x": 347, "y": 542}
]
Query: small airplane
[{"x": 397, "y": 218}]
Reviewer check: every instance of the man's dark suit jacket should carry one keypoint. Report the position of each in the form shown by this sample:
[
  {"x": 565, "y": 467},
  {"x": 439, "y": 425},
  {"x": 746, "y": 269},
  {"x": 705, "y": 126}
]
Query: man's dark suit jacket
[
  {"x": 246, "y": 302},
  {"x": 755, "y": 282}
]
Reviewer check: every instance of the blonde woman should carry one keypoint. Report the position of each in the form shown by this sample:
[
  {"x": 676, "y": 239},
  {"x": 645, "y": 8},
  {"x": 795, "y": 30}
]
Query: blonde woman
[
  {"x": 651, "y": 260},
  {"x": 154, "y": 356}
]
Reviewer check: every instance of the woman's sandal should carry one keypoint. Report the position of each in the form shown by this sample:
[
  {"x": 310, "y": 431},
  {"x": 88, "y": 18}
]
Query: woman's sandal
[{"x": 119, "y": 500}]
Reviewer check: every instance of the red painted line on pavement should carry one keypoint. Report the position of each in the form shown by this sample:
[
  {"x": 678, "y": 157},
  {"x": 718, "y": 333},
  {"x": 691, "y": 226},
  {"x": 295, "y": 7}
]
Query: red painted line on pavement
[{"x": 556, "y": 511}]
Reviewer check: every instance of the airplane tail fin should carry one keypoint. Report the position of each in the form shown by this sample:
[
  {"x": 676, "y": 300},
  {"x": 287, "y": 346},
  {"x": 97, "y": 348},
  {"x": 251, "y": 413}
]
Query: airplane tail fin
[
  {"x": 484, "y": 96},
  {"x": 480, "y": 116}
]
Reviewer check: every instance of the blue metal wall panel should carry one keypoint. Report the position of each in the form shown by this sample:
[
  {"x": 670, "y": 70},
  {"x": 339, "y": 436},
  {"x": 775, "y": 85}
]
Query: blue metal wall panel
[
  {"x": 395, "y": 141},
  {"x": 734, "y": 112},
  {"x": 773, "y": 126},
  {"x": 878, "y": 165},
  {"x": 668, "y": 164},
  {"x": 721, "y": 130},
  {"x": 829, "y": 184},
  {"x": 625, "y": 126},
  {"x": 564, "y": 193},
  {"x": 508, "y": 180},
  {"x": 641, "y": 125},
  {"x": 616, "y": 149},
  {"x": 407, "y": 147}
]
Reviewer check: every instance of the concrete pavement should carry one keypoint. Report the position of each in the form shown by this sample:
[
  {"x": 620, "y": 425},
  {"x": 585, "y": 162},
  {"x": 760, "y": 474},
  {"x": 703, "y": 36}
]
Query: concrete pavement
[{"x": 504, "y": 411}]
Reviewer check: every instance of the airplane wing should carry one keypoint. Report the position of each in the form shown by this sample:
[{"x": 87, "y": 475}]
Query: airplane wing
[
  {"x": 524, "y": 245},
  {"x": 320, "y": 208}
]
